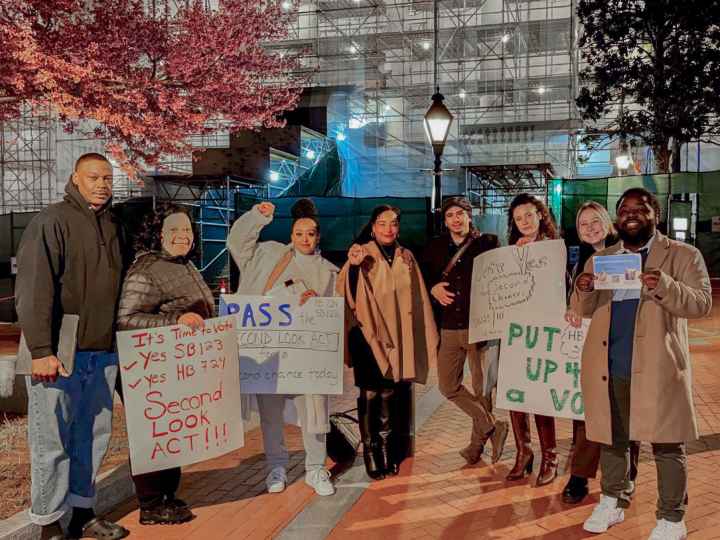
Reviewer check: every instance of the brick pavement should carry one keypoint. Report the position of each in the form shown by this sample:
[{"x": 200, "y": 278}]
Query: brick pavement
[
  {"x": 228, "y": 494},
  {"x": 437, "y": 495}
]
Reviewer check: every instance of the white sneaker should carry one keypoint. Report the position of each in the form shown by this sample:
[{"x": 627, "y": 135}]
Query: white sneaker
[
  {"x": 668, "y": 530},
  {"x": 319, "y": 480},
  {"x": 605, "y": 514},
  {"x": 276, "y": 480}
]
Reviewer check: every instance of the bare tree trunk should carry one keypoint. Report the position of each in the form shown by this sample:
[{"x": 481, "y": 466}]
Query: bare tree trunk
[
  {"x": 675, "y": 160},
  {"x": 662, "y": 158}
]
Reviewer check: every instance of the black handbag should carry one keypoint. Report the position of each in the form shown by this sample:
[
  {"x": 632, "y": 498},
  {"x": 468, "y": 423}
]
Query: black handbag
[{"x": 344, "y": 437}]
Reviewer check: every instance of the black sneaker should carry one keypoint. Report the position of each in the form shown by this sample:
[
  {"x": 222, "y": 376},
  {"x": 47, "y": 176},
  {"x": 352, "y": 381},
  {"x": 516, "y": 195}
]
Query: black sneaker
[
  {"x": 575, "y": 490},
  {"x": 165, "y": 513},
  {"x": 177, "y": 503}
]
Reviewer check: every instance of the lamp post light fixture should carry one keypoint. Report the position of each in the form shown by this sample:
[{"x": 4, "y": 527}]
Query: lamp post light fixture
[
  {"x": 438, "y": 120},
  {"x": 437, "y": 126},
  {"x": 624, "y": 159}
]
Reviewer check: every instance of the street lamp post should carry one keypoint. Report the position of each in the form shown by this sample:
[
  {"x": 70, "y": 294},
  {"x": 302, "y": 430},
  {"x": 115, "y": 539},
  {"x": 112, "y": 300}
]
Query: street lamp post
[{"x": 437, "y": 126}]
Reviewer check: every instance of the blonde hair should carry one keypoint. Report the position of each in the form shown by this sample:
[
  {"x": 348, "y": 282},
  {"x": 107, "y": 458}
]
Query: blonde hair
[{"x": 602, "y": 212}]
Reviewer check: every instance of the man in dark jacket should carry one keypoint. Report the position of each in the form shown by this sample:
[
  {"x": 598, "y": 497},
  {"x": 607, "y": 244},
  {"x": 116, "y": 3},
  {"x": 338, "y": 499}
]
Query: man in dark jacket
[
  {"x": 69, "y": 262},
  {"x": 448, "y": 264}
]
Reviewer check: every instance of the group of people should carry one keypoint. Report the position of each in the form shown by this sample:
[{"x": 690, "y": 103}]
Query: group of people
[{"x": 402, "y": 316}]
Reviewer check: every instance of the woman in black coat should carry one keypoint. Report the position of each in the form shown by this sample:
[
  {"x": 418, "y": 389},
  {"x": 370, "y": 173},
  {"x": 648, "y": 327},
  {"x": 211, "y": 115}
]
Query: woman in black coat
[
  {"x": 162, "y": 288},
  {"x": 596, "y": 232}
]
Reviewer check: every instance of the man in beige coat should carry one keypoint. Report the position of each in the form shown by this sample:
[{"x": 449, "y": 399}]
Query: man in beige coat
[{"x": 636, "y": 376}]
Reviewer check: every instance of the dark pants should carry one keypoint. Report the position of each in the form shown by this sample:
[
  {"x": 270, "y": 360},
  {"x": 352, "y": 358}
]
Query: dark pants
[
  {"x": 670, "y": 460},
  {"x": 586, "y": 454},
  {"x": 153, "y": 487}
]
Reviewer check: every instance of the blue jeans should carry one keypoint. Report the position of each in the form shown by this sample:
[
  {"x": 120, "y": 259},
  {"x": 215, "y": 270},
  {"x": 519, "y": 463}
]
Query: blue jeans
[{"x": 69, "y": 427}]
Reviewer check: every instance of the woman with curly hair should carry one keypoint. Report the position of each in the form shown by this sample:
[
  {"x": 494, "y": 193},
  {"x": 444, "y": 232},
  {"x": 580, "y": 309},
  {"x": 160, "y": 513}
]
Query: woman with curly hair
[
  {"x": 529, "y": 220},
  {"x": 277, "y": 269},
  {"x": 392, "y": 338},
  {"x": 162, "y": 288}
]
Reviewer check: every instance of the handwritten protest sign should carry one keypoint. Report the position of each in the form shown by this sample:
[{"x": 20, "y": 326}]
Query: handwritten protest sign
[
  {"x": 540, "y": 362},
  {"x": 286, "y": 348},
  {"x": 513, "y": 281},
  {"x": 182, "y": 393}
]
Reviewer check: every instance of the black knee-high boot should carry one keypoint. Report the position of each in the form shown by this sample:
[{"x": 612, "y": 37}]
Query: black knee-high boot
[
  {"x": 367, "y": 419},
  {"x": 387, "y": 453}
]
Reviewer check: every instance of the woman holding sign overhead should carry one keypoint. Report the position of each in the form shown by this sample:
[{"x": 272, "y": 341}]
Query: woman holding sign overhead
[
  {"x": 529, "y": 220},
  {"x": 296, "y": 269},
  {"x": 163, "y": 287},
  {"x": 393, "y": 337}
]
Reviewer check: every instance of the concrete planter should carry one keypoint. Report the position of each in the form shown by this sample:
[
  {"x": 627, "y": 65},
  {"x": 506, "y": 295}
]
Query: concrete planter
[{"x": 17, "y": 403}]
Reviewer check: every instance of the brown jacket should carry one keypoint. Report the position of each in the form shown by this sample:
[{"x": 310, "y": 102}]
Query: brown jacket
[
  {"x": 661, "y": 405},
  {"x": 393, "y": 310}
]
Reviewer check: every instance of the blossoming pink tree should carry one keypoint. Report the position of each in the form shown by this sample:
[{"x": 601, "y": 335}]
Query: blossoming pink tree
[{"x": 149, "y": 72}]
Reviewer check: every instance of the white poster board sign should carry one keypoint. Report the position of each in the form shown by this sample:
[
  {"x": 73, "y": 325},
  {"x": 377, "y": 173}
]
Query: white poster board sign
[
  {"x": 512, "y": 281},
  {"x": 182, "y": 393},
  {"x": 286, "y": 348},
  {"x": 540, "y": 362}
]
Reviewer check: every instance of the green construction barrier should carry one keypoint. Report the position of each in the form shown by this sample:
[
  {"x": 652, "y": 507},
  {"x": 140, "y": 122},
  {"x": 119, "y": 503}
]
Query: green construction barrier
[
  {"x": 566, "y": 195},
  {"x": 342, "y": 218}
]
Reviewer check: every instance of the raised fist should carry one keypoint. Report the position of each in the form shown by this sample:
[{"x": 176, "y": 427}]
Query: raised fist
[{"x": 267, "y": 209}]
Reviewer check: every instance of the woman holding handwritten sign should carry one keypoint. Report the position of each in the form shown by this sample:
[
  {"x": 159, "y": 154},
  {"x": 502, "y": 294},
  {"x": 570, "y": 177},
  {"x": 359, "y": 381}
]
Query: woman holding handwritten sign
[
  {"x": 596, "y": 232},
  {"x": 393, "y": 337},
  {"x": 163, "y": 287},
  {"x": 529, "y": 220},
  {"x": 275, "y": 269}
]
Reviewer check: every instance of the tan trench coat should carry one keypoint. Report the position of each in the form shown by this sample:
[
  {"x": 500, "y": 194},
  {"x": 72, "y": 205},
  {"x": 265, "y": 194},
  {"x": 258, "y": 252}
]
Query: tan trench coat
[
  {"x": 661, "y": 404},
  {"x": 393, "y": 310}
]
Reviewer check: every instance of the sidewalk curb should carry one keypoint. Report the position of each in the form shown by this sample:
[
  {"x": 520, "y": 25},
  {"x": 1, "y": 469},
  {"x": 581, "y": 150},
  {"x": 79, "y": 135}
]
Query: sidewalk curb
[
  {"x": 317, "y": 520},
  {"x": 113, "y": 487}
]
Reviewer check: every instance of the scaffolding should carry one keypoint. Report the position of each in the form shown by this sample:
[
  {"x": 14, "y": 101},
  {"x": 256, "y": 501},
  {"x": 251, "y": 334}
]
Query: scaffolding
[
  {"x": 27, "y": 165},
  {"x": 507, "y": 68}
]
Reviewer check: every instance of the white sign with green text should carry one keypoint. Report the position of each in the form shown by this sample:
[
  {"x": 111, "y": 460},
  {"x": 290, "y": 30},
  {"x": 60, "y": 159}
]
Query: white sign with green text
[{"x": 540, "y": 364}]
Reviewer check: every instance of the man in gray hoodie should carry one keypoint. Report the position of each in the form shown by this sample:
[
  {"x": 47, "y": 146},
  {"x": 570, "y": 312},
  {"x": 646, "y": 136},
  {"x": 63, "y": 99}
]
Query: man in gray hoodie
[{"x": 69, "y": 262}]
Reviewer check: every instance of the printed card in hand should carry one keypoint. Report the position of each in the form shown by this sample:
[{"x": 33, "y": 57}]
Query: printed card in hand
[{"x": 618, "y": 271}]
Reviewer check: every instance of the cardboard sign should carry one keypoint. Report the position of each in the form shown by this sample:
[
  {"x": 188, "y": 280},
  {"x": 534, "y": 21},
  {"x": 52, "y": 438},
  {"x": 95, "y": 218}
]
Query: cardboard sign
[
  {"x": 182, "y": 393},
  {"x": 512, "y": 282},
  {"x": 618, "y": 271},
  {"x": 286, "y": 348},
  {"x": 540, "y": 363}
]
